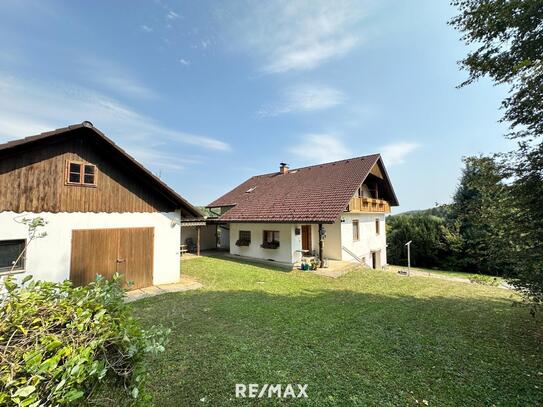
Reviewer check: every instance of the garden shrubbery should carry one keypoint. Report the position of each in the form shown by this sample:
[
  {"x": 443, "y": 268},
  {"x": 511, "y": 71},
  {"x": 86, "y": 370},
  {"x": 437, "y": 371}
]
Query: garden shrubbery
[
  {"x": 58, "y": 343},
  {"x": 484, "y": 280}
]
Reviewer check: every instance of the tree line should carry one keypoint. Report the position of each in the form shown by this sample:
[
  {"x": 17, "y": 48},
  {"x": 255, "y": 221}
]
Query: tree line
[
  {"x": 495, "y": 223},
  {"x": 465, "y": 235}
]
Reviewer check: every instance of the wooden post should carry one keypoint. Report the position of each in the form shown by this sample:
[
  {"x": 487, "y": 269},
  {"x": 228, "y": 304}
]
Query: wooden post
[
  {"x": 321, "y": 248},
  {"x": 198, "y": 241}
]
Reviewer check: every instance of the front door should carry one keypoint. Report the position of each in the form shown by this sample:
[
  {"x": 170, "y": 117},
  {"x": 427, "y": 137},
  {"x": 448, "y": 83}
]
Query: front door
[
  {"x": 108, "y": 251},
  {"x": 376, "y": 259},
  {"x": 306, "y": 237}
]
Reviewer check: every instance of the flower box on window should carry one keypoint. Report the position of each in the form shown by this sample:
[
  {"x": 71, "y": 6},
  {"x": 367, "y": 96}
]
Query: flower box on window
[
  {"x": 243, "y": 242},
  {"x": 270, "y": 239},
  {"x": 270, "y": 245}
]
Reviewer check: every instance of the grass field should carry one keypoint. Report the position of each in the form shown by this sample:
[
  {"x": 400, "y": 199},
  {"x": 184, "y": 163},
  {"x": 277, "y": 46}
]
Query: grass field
[
  {"x": 368, "y": 338},
  {"x": 443, "y": 273}
]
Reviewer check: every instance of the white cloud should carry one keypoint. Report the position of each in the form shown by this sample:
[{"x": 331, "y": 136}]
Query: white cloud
[
  {"x": 146, "y": 28},
  {"x": 28, "y": 108},
  {"x": 160, "y": 159},
  {"x": 17, "y": 124},
  {"x": 184, "y": 62},
  {"x": 394, "y": 154},
  {"x": 305, "y": 98},
  {"x": 297, "y": 57},
  {"x": 297, "y": 35},
  {"x": 113, "y": 77},
  {"x": 320, "y": 148},
  {"x": 172, "y": 15}
]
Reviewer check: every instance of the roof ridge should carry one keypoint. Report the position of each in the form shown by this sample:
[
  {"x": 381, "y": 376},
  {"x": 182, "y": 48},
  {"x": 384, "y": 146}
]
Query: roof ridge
[
  {"x": 337, "y": 161},
  {"x": 321, "y": 164}
]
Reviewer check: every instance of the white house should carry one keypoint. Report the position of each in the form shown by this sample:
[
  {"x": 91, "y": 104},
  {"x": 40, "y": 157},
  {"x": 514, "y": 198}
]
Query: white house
[
  {"x": 105, "y": 212},
  {"x": 330, "y": 211}
]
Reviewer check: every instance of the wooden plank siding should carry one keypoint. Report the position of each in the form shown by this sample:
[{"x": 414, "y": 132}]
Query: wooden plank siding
[
  {"x": 93, "y": 252},
  {"x": 35, "y": 181},
  {"x": 127, "y": 251}
]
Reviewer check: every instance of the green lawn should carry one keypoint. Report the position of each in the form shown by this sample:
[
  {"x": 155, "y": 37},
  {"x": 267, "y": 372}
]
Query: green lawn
[
  {"x": 442, "y": 273},
  {"x": 368, "y": 338}
]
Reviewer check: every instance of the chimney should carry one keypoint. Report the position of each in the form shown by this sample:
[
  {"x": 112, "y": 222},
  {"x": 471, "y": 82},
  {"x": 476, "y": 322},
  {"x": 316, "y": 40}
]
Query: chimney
[{"x": 283, "y": 168}]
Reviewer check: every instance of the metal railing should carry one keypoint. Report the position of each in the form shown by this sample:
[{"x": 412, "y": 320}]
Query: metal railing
[{"x": 354, "y": 256}]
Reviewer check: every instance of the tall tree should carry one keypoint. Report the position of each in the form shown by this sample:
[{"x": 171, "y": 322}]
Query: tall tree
[
  {"x": 507, "y": 36},
  {"x": 508, "y": 40},
  {"x": 482, "y": 207}
]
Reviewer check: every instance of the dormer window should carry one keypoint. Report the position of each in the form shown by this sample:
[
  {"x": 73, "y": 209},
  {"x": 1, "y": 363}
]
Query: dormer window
[{"x": 80, "y": 173}]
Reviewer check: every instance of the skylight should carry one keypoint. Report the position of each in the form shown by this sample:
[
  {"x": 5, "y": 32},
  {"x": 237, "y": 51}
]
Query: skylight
[{"x": 250, "y": 190}]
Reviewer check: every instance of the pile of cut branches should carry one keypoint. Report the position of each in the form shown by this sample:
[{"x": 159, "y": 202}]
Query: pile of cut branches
[{"x": 59, "y": 342}]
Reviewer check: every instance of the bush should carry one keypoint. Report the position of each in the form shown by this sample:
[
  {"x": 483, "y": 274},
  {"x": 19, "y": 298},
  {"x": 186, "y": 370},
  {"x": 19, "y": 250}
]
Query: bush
[
  {"x": 59, "y": 342},
  {"x": 484, "y": 279}
]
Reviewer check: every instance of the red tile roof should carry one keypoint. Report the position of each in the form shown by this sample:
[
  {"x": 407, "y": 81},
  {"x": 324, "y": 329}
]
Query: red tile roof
[{"x": 316, "y": 194}]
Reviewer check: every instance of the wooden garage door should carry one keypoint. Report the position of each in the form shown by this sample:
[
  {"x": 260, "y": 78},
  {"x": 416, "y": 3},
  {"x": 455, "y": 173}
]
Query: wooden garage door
[{"x": 107, "y": 251}]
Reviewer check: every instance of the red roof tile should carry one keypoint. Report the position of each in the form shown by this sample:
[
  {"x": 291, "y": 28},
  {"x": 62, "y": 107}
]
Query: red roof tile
[{"x": 316, "y": 194}]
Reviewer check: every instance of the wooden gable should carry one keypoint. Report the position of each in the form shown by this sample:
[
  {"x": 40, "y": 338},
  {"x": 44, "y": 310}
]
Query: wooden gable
[
  {"x": 33, "y": 178},
  {"x": 378, "y": 185}
]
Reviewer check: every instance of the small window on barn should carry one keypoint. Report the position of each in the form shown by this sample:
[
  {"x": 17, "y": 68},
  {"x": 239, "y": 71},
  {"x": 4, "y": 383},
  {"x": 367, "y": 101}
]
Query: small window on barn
[
  {"x": 356, "y": 230},
  {"x": 89, "y": 177},
  {"x": 74, "y": 173},
  {"x": 244, "y": 238},
  {"x": 11, "y": 255},
  {"x": 79, "y": 173},
  {"x": 270, "y": 239},
  {"x": 377, "y": 226}
]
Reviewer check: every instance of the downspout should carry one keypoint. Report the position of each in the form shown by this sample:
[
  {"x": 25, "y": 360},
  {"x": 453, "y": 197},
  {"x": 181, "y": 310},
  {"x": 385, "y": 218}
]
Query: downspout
[{"x": 321, "y": 247}]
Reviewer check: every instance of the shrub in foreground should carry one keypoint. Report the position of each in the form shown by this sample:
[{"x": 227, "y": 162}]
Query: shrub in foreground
[{"x": 59, "y": 342}]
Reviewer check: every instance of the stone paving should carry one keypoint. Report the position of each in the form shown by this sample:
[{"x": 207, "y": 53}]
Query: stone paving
[{"x": 184, "y": 284}]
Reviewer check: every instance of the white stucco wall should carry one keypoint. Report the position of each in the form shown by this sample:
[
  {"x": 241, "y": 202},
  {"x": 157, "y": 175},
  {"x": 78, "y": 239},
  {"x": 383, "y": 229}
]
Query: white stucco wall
[
  {"x": 332, "y": 242},
  {"x": 48, "y": 258},
  {"x": 369, "y": 240},
  {"x": 338, "y": 235},
  {"x": 285, "y": 253}
]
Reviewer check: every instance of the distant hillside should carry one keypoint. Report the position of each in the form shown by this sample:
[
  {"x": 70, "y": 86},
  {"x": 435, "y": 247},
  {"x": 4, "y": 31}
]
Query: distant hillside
[{"x": 441, "y": 211}]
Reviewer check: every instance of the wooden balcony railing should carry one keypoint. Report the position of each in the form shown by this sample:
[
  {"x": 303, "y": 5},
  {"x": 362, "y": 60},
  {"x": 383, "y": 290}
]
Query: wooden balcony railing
[{"x": 372, "y": 205}]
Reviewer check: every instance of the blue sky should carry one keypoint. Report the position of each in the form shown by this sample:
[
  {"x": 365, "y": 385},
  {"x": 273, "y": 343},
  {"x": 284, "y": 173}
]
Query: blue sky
[{"x": 209, "y": 93}]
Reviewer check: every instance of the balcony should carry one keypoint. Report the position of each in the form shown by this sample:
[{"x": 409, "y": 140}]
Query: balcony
[{"x": 369, "y": 205}]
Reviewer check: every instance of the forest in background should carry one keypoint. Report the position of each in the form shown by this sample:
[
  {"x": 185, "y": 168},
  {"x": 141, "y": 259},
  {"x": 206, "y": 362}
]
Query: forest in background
[
  {"x": 495, "y": 223},
  {"x": 466, "y": 235}
]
